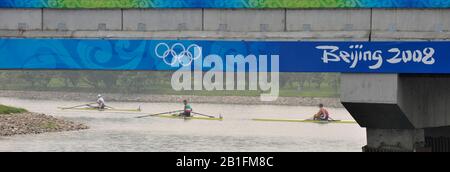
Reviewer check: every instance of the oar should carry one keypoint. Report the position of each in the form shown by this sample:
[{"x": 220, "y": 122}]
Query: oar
[
  {"x": 332, "y": 119},
  {"x": 203, "y": 115},
  {"x": 112, "y": 108},
  {"x": 78, "y": 106},
  {"x": 329, "y": 119},
  {"x": 158, "y": 114},
  {"x": 109, "y": 107}
]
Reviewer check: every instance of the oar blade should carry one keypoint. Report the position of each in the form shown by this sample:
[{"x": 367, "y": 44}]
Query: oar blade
[
  {"x": 65, "y": 108},
  {"x": 204, "y": 115}
]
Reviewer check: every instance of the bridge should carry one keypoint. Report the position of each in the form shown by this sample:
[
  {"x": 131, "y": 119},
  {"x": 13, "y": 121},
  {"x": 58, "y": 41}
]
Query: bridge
[{"x": 402, "y": 102}]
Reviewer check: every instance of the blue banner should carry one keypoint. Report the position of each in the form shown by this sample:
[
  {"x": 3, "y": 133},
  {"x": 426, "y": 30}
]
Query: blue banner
[{"x": 346, "y": 57}]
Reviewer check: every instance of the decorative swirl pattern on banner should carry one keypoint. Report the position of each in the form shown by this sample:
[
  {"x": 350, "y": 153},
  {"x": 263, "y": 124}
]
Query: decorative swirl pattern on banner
[
  {"x": 111, "y": 55},
  {"x": 224, "y": 4},
  {"x": 170, "y": 55}
]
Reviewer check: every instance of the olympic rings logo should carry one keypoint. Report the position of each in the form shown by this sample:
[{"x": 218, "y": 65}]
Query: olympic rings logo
[{"x": 179, "y": 53}]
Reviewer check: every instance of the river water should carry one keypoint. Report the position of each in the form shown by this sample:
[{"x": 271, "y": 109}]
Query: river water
[{"x": 122, "y": 132}]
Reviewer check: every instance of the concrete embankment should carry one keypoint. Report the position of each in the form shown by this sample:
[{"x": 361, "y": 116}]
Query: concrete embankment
[{"x": 242, "y": 100}]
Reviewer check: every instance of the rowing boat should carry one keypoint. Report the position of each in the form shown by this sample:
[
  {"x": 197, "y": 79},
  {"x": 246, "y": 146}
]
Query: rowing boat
[
  {"x": 101, "y": 110},
  {"x": 175, "y": 116},
  {"x": 307, "y": 121}
]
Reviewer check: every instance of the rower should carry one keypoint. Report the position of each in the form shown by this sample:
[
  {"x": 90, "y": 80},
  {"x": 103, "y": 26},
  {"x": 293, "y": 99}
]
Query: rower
[
  {"x": 187, "y": 109},
  {"x": 322, "y": 115},
  {"x": 101, "y": 102}
]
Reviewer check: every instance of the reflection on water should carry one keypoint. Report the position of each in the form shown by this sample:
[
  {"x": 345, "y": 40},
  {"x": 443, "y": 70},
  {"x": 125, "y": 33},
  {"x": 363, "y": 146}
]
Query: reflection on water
[{"x": 121, "y": 132}]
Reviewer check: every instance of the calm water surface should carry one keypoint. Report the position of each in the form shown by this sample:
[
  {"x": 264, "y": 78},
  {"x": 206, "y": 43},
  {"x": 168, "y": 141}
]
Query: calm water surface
[{"x": 122, "y": 132}]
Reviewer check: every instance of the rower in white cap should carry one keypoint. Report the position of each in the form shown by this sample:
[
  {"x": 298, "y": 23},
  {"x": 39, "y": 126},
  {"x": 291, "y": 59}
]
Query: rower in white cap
[{"x": 101, "y": 102}]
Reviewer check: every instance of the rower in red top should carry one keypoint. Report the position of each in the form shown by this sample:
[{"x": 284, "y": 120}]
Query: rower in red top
[{"x": 322, "y": 115}]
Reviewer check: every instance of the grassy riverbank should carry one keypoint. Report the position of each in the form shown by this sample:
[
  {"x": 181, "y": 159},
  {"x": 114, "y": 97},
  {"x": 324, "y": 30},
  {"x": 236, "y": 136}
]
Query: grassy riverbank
[
  {"x": 156, "y": 83},
  {"x": 10, "y": 110},
  {"x": 16, "y": 121}
]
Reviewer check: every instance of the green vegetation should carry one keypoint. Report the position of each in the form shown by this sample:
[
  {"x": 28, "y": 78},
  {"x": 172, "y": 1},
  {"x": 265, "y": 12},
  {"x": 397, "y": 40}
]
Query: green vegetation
[
  {"x": 10, "y": 110},
  {"x": 49, "y": 125},
  {"x": 145, "y": 82}
]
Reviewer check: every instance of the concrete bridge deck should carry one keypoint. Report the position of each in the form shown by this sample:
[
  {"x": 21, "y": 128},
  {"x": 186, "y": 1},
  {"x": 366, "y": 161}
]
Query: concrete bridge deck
[{"x": 277, "y": 24}]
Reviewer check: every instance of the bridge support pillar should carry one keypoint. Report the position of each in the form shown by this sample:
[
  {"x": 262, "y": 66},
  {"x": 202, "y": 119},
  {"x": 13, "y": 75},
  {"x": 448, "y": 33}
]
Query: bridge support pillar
[
  {"x": 402, "y": 112},
  {"x": 394, "y": 140}
]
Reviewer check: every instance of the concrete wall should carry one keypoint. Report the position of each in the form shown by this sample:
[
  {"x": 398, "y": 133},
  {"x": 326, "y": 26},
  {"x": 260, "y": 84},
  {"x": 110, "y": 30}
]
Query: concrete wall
[
  {"x": 372, "y": 88},
  {"x": 328, "y": 20},
  {"x": 162, "y": 20},
  {"x": 301, "y": 24},
  {"x": 233, "y": 20},
  {"x": 394, "y": 139},
  {"x": 54, "y": 19},
  {"x": 399, "y": 101},
  {"x": 415, "y": 20},
  {"x": 240, "y": 20},
  {"x": 372, "y": 99},
  {"x": 411, "y": 24},
  {"x": 425, "y": 99},
  {"x": 20, "y": 19}
]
